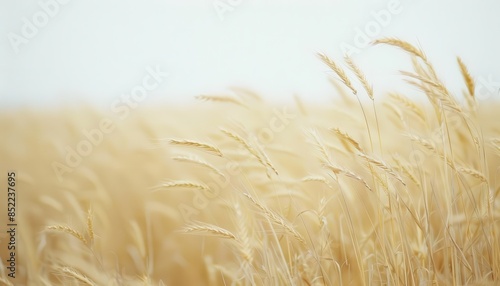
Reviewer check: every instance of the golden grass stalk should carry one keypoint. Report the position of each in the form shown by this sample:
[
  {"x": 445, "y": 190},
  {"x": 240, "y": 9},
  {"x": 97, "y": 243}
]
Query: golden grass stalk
[
  {"x": 429, "y": 74},
  {"x": 342, "y": 92},
  {"x": 276, "y": 218},
  {"x": 383, "y": 166},
  {"x": 243, "y": 236},
  {"x": 206, "y": 228},
  {"x": 406, "y": 171},
  {"x": 315, "y": 179},
  {"x": 469, "y": 81},
  {"x": 70, "y": 272},
  {"x": 339, "y": 170},
  {"x": 338, "y": 70},
  {"x": 474, "y": 173},
  {"x": 261, "y": 158},
  {"x": 427, "y": 144},
  {"x": 199, "y": 145},
  {"x": 409, "y": 105},
  {"x": 431, "y": 147},
  {"x": 90, "y": 225},
  {"x": 198, "y": 161},
  {"x": 267, "y": 160},
  {"x": 439, "y": 87},
  {"x": 318, "y": 143},
  {"x": 400, "y": 121},
  {"x": 182, "y": 184},
  {"x": 409, "y": 48},
  {"x": 347, "y": 138},
  {"x": 436, "y": 93},
  {"x": 360, "y": 75},
  {"x": 219, "y": 98},
  {"x": 426, "y": 71},
  {"x": 68, "y": 230}
]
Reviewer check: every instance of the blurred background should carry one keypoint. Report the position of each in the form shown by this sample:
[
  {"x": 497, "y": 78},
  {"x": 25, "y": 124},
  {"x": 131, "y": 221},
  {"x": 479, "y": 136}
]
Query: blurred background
[{"x": 60, "y": 52}]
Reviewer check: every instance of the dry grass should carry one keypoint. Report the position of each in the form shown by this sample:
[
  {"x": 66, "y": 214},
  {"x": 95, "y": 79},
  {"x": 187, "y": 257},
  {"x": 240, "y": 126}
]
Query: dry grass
[
  {"x": 71, "y": 273},
  {"x": 469, "y": 81},
  {"x": 208, "y": 228},
  {"x": 338, "y": 70},
  {"x": 68, "y": 230},
  {"x": 219, "y": 98},
  {"x": 307, "y": 199},
  {"x": 199, "y": 145},
  {"x": 360, "y": 75}
]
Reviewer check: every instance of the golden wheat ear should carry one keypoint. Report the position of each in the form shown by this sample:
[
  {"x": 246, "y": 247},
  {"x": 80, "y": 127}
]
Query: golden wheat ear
[
  {"x": 198, "y": 145},
  {"x": 276, "y": 218},
  {"x": 68, "y": 230},
  {"x": 360, "y": 75},
  {"x": 207, "y": 229},
  {"x": 220, "y": 98},
  {"x": 259, "y": 155},
  {"x": 469, "y": 81},
  {"x": 338, "y": 70},
  {"x": 180, "y": 184},
  {"x": 404, "y": 45},
  {"x": 73, "y": 273},
  {"x": 90, "y": 224}
]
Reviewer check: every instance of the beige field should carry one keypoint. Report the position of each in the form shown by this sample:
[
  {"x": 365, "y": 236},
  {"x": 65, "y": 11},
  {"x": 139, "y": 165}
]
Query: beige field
[{"x": 371, "y": 189}]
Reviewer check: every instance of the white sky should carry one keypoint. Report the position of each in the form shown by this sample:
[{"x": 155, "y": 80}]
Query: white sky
[{"x": 97, "y": 50}]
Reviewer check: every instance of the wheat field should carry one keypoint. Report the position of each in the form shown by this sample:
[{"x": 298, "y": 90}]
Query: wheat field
[{"x": 372, "y": 189}]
